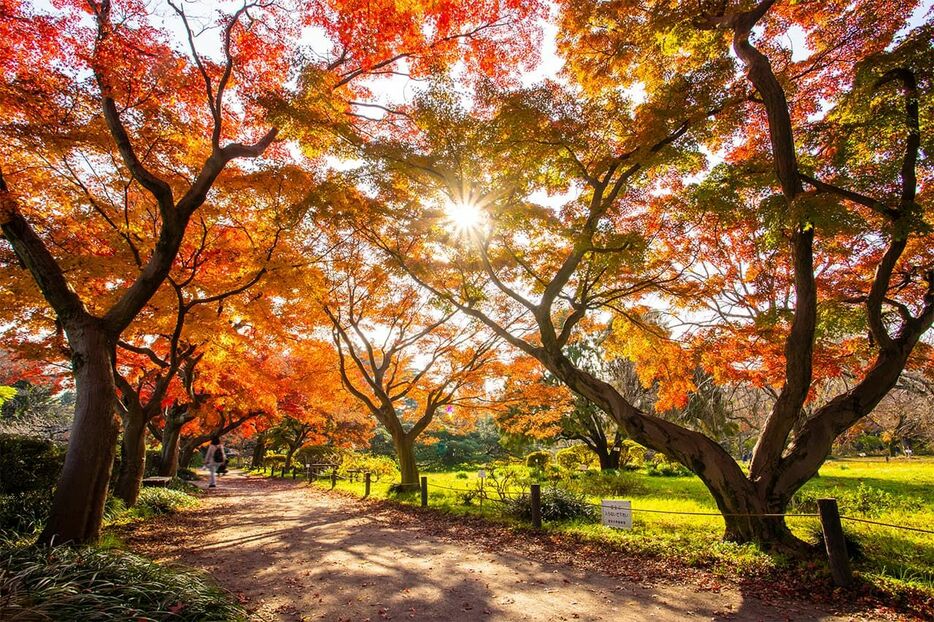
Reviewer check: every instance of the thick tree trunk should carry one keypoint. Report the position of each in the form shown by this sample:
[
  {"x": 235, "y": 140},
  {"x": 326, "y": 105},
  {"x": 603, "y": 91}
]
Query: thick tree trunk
[
  {"x": 78, "y": 504},
  {"x": 405, "y": 453},
  {"x": 170, "y": 439},
  {"x": 133, "y": 464},
  {"x": 259, "y": 452}
]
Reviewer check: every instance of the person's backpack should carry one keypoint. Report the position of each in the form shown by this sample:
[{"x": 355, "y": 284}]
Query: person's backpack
[{"x": 218, "y": 455}]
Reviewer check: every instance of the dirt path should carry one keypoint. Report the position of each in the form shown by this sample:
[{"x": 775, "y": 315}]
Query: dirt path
[{"x": 295, "y": 553}]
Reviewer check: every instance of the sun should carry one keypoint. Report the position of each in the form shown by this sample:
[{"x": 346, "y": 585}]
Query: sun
[{"x": 464, "y": 216}]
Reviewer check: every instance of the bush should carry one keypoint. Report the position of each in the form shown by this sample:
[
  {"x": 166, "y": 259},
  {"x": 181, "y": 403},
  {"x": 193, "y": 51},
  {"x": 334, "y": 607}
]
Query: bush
[
  {"x": 29, "y": 469},
  {"x": 28, "y": 464},
  {"x": 662, "y": 467},
  {"x": 155, "y": 501},
  {"x": 92, "y": 584},
  {"x": 274, "y": 461},
  {"x": 378, "y": 466},
  {"x": 631, "y": 455},
  {"x": 575, "y": 457},
  {"x": 557, "y": 505},
  {"x": 538, "y": 460},
  {"x": 25, "y": 512}
]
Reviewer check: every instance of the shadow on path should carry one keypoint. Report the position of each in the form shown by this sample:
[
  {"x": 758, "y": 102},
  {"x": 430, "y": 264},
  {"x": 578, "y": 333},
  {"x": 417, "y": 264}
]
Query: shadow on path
[{"x": 292, "y": 552}]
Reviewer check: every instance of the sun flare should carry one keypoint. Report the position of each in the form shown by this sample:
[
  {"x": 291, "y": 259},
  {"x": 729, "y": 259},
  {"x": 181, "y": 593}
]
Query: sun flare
[{"x": 464, "y": 216}]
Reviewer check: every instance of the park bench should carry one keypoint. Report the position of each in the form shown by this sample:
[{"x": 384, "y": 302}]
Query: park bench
[{"x": 156, "y": 482}]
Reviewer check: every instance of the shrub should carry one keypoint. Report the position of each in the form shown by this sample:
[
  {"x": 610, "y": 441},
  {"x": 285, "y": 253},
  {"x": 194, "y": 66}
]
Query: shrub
[
  {"x": 25, "y": 512},
  {"x": 575, "y": 457},
  {"x": 538, "y": 459},
  {"x": 155, "y": 501},
  {"x": 557, "y": 505},
  {"x": 461, "y": 475},
  {"x": 378, "y": 466},
  {"x": 661, "y": 466},
  {"x": 28, "y": 464},
  {"x": 92, "y": 584},
  {"x": 274, "y": 461},
  {"x": 632, "y": 455},
  {"x": 29, "y": 469}
]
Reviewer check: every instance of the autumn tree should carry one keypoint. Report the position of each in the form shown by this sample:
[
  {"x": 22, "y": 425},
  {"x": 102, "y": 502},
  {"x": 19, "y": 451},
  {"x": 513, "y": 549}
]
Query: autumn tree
[
  {"x": 406, "y": 360},
  {"x": 655, "y": 86},
  {"x": 153, "y": 124}
]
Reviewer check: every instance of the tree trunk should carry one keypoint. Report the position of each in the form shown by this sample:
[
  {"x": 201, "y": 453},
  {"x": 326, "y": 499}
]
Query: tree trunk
[
  {"x": 170, "y": 439},
  {"x": 609, "y": 459},
  {"x": 78, "y": 504},
  {"x": 185, "y": 454},
  {"x": 259, "y": 452},
  {"x": 133, "y": 464},
  {"x": 288, "y": 458},
  {"x": 405, "y": 452}
]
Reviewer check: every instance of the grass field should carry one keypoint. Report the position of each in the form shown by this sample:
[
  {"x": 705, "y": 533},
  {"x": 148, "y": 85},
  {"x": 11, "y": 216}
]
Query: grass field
[{"x": 900, "y": 492}]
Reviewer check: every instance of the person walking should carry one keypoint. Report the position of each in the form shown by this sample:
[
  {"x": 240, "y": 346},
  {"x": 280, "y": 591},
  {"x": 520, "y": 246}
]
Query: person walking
[{"x": 214, "y": 459}]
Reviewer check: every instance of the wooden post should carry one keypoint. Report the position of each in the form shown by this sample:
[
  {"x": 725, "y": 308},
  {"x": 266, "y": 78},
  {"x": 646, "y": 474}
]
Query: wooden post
[
  {"x": 333, "y": 478},
  {"x": 835, "y": 542},
  {"x": 293, "y": 472},
  {"x": 424, "y": 492},
  {"x": 366, "y": 484},
  {"x": 537, "y": 506}
]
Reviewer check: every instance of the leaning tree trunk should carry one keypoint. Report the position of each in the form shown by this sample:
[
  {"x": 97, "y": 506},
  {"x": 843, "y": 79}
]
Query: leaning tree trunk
[
  {"x": 133, "y": 464},
  {"x": 405, "y": 452},
  {"x": 78, "y": 504}
]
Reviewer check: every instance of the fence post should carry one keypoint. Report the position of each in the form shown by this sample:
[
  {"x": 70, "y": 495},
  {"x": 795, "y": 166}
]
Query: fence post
[
  {"x": 424, "y": 492},
  {"x": 366, "y": 484},
  {"x": 333, "y": 478},
  {"x": 835, "y": 542},
  {"x": 537, "y": 506}
]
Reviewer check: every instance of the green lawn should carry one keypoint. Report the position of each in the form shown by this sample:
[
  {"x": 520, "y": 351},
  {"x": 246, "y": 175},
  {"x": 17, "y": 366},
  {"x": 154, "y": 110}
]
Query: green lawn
[{"x": 899, "y": 492}]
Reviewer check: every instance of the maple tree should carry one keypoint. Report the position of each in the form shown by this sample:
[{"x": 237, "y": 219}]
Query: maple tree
[
  {"x": 126, "y": 128},
  {"x": 655, "y": 86}
]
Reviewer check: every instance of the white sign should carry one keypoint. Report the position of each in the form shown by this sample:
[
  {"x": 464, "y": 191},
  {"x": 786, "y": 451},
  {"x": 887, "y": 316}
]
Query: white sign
[
  {"x": 616, "y": 513},
  {"x": 481, "y": 474}
]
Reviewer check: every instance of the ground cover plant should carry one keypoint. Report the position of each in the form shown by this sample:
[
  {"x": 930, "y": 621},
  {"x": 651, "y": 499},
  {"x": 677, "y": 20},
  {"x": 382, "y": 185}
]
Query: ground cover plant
[{"x": 98, "y": 584}]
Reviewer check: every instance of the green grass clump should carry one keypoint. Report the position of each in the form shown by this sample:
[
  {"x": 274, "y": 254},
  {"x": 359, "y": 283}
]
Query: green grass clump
[
  {"x": 157, "y": 501},
  {"x": 90, "y": 584}
]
